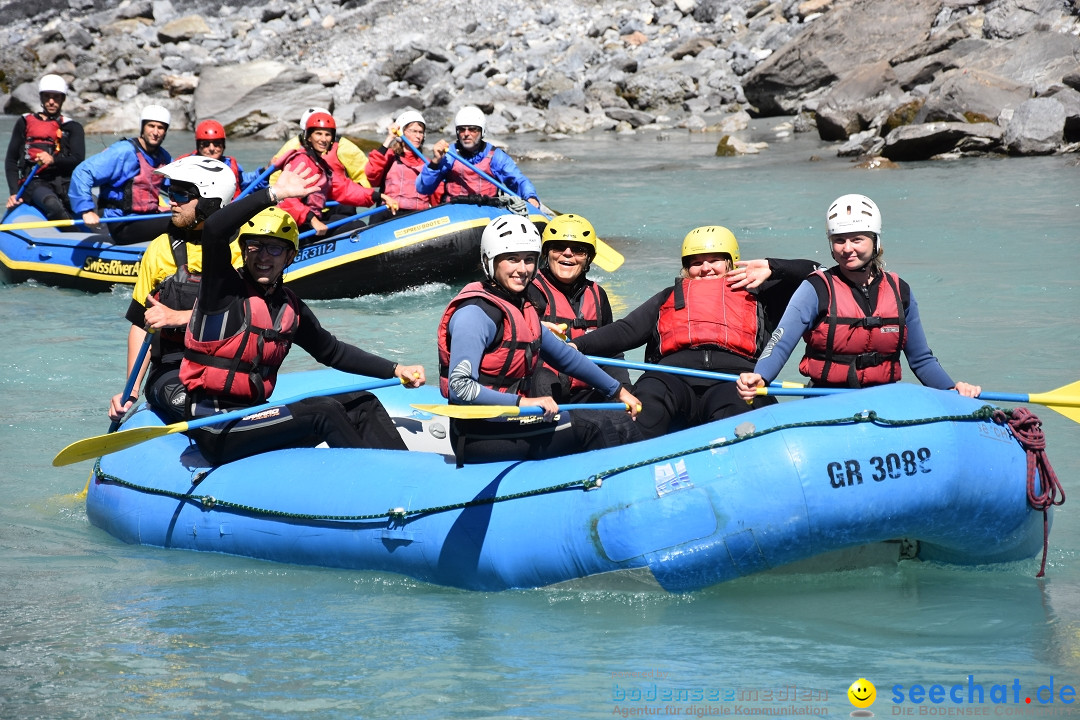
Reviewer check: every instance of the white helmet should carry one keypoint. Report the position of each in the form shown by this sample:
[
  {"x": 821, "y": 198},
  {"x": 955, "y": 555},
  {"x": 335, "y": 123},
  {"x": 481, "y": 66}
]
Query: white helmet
[
  {"x": 471, "y": 115},
  {"x": 309, "y": 112},
  {"x": 505, "y": 234},
  {"x": 213, "y": 178},
  {"x": 409, "y": 116},
  {"x": 155, "y": 113},
  {"x": 53, "y": 84},
  {"x": 853, "y": 213}
]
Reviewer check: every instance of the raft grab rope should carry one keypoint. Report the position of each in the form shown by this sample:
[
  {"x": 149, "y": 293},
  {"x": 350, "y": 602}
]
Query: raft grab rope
[{"x": 1025, "y": 426}]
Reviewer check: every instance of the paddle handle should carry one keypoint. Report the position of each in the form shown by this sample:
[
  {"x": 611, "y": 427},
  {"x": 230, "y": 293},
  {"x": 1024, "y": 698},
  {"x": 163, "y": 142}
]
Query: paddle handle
[
  {"x": 129, "y": 386},
  {"x": 345, "y": 221}
]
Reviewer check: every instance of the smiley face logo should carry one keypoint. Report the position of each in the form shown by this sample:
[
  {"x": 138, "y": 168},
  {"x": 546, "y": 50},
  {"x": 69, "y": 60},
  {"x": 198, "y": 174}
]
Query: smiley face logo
[{"x": 862, "y": 693}]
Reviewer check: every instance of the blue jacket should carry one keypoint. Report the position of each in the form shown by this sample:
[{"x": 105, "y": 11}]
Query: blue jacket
[
  {"x": 109, "y": 170},
  {"x": 503, "y": 169}
]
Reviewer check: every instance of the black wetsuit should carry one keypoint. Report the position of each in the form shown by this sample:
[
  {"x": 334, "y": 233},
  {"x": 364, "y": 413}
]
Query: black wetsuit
[
  {"x": 352, "y": 420},
  {"x": 48, "y": 190},
  {"x": 674, "y": 402}
]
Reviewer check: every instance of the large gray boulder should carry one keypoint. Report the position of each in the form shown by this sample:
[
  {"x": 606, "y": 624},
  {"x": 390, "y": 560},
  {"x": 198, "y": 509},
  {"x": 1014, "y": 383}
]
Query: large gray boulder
[
  {"x": 870, "y": 30},
  {"x": 1036, "y": 128},
  {"x": 854, "y": 102},
  {"x": 971, "y": 95},
  {"x": 264, "y": 92},
  {"x": 924, "y": 141}
]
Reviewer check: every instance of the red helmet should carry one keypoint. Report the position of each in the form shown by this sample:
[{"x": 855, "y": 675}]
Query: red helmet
[
  {"x": 320, "y": 121},
  {"x": 209, "y": 130}
]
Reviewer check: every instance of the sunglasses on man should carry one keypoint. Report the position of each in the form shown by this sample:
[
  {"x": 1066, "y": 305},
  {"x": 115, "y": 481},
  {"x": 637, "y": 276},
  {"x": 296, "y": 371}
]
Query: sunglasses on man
[
  {"x": 182, "y": 194},
  {"x": 255, "y": 248},
  {"x": 208, "y": 143}
]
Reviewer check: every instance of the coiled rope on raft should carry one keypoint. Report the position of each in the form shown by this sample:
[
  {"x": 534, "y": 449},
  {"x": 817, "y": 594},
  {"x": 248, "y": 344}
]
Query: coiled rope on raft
[{"x": 1025, "y": 426}]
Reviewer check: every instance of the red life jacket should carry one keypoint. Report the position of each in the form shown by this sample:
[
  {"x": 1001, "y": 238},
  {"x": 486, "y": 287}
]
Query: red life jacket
[
  {"x": 561, "y": 312},
  {"x": 233, "y": 165},
  {"x": 243, "y": 367},
  {"x": 42, "y": 135},
  {"x": 515, "y": 355},
  {"x": 704, "y": 312},
  {"x": 400, "y": 184},
  {"x": 460, "y": 180},
  {"x": 141, "y": 193},
  {"x": 316, "y": 201},
  {"x": 848, "y": 348}
]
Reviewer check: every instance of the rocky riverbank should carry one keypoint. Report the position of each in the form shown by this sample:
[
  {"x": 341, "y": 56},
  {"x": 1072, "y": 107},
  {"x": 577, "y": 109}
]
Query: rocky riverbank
[{"x": 910, "y": 80}]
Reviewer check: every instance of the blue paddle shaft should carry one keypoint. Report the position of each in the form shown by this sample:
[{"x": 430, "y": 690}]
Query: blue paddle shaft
[
  {"x": 487, "y": 177},
  {"x": 537, "y": 410},
  {"x": 245, "y": 412},
  {"x": 267, "y": 172},
  {"x": 345, "y": 221},
  {"x": 26, "y": 182},
  {"x": 130, "y": 384}
]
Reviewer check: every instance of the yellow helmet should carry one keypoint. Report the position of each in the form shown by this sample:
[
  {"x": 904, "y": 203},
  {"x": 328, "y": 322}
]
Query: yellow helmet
[
  {"x": 710, "y": 239},
  {"x": 272, "y": 222},
  {"x": 571, "y": 228}
]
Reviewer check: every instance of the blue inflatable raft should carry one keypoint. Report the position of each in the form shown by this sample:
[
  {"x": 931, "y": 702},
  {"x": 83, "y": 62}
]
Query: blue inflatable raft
[
  {"x": 779, "y": 485},
  {"x": 434, "y": 245}
]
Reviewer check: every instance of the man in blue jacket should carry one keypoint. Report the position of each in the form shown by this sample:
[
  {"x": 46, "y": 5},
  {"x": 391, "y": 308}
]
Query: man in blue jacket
[
  {"x": 124, "y": 172},
  {"x": 460, "y": 181}
]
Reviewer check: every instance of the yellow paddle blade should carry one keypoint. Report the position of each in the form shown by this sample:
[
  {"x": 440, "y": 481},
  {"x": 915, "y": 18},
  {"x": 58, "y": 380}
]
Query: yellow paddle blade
[
  {"x": 1065, "y": 400},
  {"x": 471, "y": 412},
  {"x": 35, "y": 224},
  {"x": 94, "y": 447},
  {"x": 607, "y": 258}
]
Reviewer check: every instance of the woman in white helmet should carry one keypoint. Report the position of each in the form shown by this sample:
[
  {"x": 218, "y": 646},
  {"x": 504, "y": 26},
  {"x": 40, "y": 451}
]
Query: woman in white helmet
[
  {"x": 128, "y": 185},
  {"x": 856, "y": 318},
  {"x": 716, "y": 317},
  {"x": 394, "y": 168},
  {"x": 491, "y": 344},
  {"x": 457, "y": 180},
  {"x": 51, "y": 141}
]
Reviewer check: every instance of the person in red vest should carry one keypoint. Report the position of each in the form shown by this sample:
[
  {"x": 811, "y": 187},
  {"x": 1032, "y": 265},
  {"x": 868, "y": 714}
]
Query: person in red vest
[
  {"x": 491, "y": 344},
  {"x": 53, "y": 142},
  {"x": 855, "y": 317},
  {"x": 245, "y": 323},
  {"x": 310, "y": 212},
  {"x": 459, "y": 181},
  {"x": 210, "y": 143},
  {"x": 573, "y": 304},
  {"x": 717, "y": 316},
  {"x": 394, "y": 168}
]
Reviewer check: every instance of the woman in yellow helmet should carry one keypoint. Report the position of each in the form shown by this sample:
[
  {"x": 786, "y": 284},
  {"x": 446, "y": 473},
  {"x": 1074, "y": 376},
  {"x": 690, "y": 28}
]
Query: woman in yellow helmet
[
  {"x": 573, "y": 304},
  {"x": 717, "y": 316},
  {"x": 243, "y": 326}
]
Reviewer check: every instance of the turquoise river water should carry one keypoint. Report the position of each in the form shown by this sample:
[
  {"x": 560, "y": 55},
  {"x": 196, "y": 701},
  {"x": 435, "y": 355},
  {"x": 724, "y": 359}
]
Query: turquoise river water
[{"x": 93, "y": 628}]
